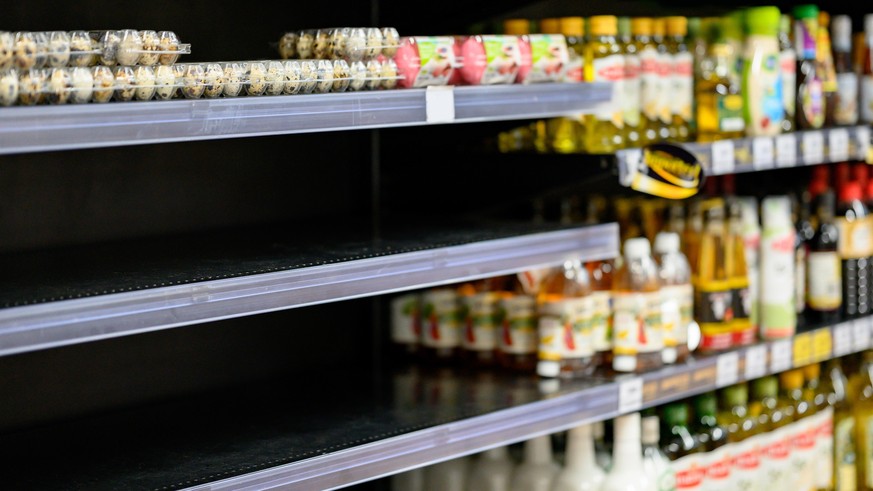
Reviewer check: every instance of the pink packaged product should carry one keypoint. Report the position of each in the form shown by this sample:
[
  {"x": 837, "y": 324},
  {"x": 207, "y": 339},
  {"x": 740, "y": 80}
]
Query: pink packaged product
[
  {"x": 490, "y": 59},
  {"x": 543, "y": 58},
  {"x": 426, "y": 60}
]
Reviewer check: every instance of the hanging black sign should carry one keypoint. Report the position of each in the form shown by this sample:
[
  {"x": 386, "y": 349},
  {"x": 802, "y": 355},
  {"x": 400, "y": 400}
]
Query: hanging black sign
[{"x": 665, "y": 170}]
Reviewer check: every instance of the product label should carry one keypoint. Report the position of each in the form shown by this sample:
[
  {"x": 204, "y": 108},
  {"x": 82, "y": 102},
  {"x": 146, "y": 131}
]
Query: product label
[
  {"x": 518, "y": 325},
  {"x": 637, "y": 323},
  {"x": 867, "y": 99},
  {"x": 682, "y": 94},
  {"x": 746, "y": 464},
  {"x": 845, "y": 455},
  {"x": 846, "y": 111},
  {"x": 777, "y": 283},
  {"x": 441, "y": 315},
  {"x": 825, "y": 281},
  {"x": 676, "y": 313},
  {"x": 788, "y": 72},
  {"x": 574, "y": 71},
  {"x": 610, "y": 69},
  {"x": 630, "y": 103},
  {"x": 480, "y": 321},
  {"x": 714, "y": 306},
  {"x": 811, "y": 96},
  {"x": 718, "y": 470},
  {"x": 776, "y": 450},
  {"x": 690, "y": 472},
  {"x": 665, "y": 88},
  {"x": 855, "y": 240},
  {"x": 649, "y": 82},
  {"x": 549, "y": 56},
  {"x": 803, "y": 451},
  {"x": 824, "y": 448},
  {"x": 502, "y": 59},
  {"x": 729, "y": 109},
  {"x": 437, "y": 58},
  {"x": 766, "y": 107},
  {"x": 579, "y": 344},
  {"x": 601, "y": 320},
  {"x": 565, "y": 329},
  {"x": 406, "y": 319}
]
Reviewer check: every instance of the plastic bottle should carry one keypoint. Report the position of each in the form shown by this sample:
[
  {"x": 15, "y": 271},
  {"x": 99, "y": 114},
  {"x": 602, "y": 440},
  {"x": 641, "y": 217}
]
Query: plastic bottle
[
  {"x": 752, "y": 245},
  {"x": 604, "y": 63},
  {"x": 714, "y": 438},
  {"x": 538, "y": 470},
  {"x": 788, "y": 72},
  {"x": 717, "y": 93},
  {"x": 580, "y": 472},
  {"x": 441, "y": 330},
  {"x": 627, "y": 468},
  {"x": 810, "y": 109},
  {"x": 565, "y": 134},
  {"x": 762, "y": 85},
  {"x": 713, "y": 302},
  {"x": 824, "y": 296},
  {"x": 479, "y": 312},
  {"x": 565, "y": 310},
  {"x": 855, "y": 242},
  {"x": 665, "y": 78},
  {"x": 516, "y": 314},
  {"x": 825, "y": 57},
  {"x": 656, "y": 465},
  {"x": 742, "y": 429},
  {"x": 846, "y": 101},
  {"x": 677, "y": 296},
  {"x": 742, "y": 330},
  {"x": 450, "y": 475},
  {"x": 406, "y": 325},
  {"x": 601, "y": 273},
  {"x": 492, "y": 471},
  {"x": 778, "y": 317},
  {"x": 637, "y": 334},
  {"x": 802, "y": 439},
  {"x": 867, "y": 72},
  {"x": 630, "y": 102},
  {"x": 647, "y": 49},
  {"x": 682, "y": 79}
]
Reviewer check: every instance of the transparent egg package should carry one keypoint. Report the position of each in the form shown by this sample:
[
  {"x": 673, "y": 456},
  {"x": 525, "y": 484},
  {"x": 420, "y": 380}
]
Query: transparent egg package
[{"x": 340, "y": 43}]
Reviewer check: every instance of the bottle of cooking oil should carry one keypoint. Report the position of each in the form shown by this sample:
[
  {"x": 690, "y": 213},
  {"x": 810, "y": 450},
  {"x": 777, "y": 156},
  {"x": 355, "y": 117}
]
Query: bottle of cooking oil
[
  {"x": 863, "y": 411},
  {"x": 713, "y": 300},
  {"x": 773, "y": 418},
  {"x": 741, "y": 428},
  {"x": 691, "y": 236},
  {"x": 717, "y": 92},
  {"x": 682, "y": 86},
  {"x": 565, "y": 134},
  {"x": 564, "y": 306},
  {"x": 647, "y": 51},
  {"x": 637, "y": 333},
  {"x": 819, "y": 391},
  {"x": 677, "y": 295},
  {"x": 604, "y": 63},
  {"x": 665, "y": 77},
  {"x": 630, "y": 103},
  {"x": 845, "y": 451},
  {"x": 825, "y": 57},
  {"x": 743, "y": 332},
  {"x": 802, "y": 440}
]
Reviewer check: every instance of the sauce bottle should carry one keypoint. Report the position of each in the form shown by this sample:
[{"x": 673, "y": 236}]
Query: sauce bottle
[
  {"x": 565, "y": 310},
  {"x": 637, "y": 334},
  {"x": 788, "y": 72},
  {"x": 406, "y": 325},
  {"x": 580, "y": 472},
  {"x": 601, "y": 275},
  {"x": 854, "y": 244},
  {"x": 627, "y": 469},
  {"x": 778, "y": 316},
  {"x": 846, "y": 103},
  {"x": 824, "y": 295},
  {"x": 479, "y": 313},
  {"x": 677, "y": 304},
  {"x": 647, "y": 51},
  {"x": 516, "y": 314},
  {"x": 742, "y": 331},
  {"x": 810, "y": 108},
  {"x": 762, "y": 85},
  {"x": 604, "y": 63},
  {"x": 682, "y": 79},
  {"x": 630, "y": 102},
  {"x": 825, "y": 57},
  {"x": 713, "y": 302},
  {"x": 441, "y": 332},
  {"x": 717, "y": 93}
]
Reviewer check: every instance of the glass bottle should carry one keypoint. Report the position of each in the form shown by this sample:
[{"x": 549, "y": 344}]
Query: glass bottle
[
  {"x": 788, "y": 72},
  {"x": 604, "y": 63},
  {"x": 580, "y": 471},
  {"x": 762, "y": 83},
  {"x": 656, "y": 465},
  {"x": 602, "y": 452},
  {"x": 824, "y": 296},
  {"x": 630, "y": 102},
  {"x": 741, "y": 428},
  {"x": 778, "y": 316},
  {"x": 516, "y": 315},
  {"x": 802, "y": 440},
  {"x": 627, "y": 473},
  {"x": 682, "y": 80},
  {"x": 712, "y": 301},
  {"x": 566, "y": 133},
  {"x": 564, "y": 308},
  {"x": 681, "y": 447},
  {"x": 854, "y": 247},
  {"x": 479, "y": 313},
  {"x": 845, "y": 451},
  {"x": 714, "y": 439},
  {"x": 867, "y": 72},
  {"x": 804, "y": 232},
  {"x": 406, "y": 325},
  {"x": 692, "y": 235},
  {"x": 738, "y": 277},
  {"x": 846, "y": 103},
  {"x": 825, "y": 57},
  {"x": 665, "y": 77},
  {"x": 647, "y": 50},
  {"x": 752, "y": 244},
  {"x": 637, "y": 334},
  {"x": 810, "y": 107},
  {"x": 601, "y": 276},
  {"x": 677, "y": 305},
  {"x": 441, "y": 330},
  {"x": 717, "y": 93},
  {"x": 775, "y": 443},
  {"x": 819, "y": 392},
  {"x": 863, "y": 411}
]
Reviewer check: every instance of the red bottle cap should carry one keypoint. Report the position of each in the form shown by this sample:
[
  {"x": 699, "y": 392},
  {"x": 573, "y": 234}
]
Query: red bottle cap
[
  {"x": 860, "y": 173},
  {"x": 868, "y": 193},
  {"x": 851, "y": 191},
  {"x": 842, "y": 174},
  {"x": 817, "y": 187},
  {"x": 821, "y": 173},
  {"x": 728, "y": 185}
]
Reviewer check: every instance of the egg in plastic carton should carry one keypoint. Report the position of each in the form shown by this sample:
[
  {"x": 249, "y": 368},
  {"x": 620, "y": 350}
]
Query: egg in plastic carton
[
  {"x": 125, "y": 47},
  {"x": 29, "y": 50},
  {"x": 339, "y": 43}
]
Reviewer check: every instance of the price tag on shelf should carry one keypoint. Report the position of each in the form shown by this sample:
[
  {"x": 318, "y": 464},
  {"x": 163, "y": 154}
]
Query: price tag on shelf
[
  {"x": 630, "y": 395},
  {"x": 786, "y": 151},
  {"x": 763, "y": 153},
  {"x": 860, "y": 335},
  {"x": 723, "y": 157},
  {"x": 821, "y": 344},
  {"x": 863, "y": 141},
  {"x": 842, "y": 339},
  {"x": 440, "y": 104},
  {"x": 727, "y": 369},
  {"x": 838, "y": 145},
  {"x": 756, "y": 362},
  {"x": 813, "y": 148},
  {"x": 802, "y": 350},
  {"x": 780, "y": 356}
]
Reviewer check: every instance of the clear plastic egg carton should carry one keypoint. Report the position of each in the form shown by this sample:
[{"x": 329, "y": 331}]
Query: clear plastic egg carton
[
  {"x": 58, "y": 49},
  {"x": 340, "y": 43}
]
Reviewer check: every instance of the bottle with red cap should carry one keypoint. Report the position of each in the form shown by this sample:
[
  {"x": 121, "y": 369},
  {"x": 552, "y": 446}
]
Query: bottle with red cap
[{"x": 855, "y": 245}]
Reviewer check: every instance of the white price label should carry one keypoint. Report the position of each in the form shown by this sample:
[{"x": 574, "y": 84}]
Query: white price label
[
  {"x": 723, "y": 158},
  {"x": 763, "y": 153},
  {"x": 727, "y": 369},
  {"x": 838, "y": 145},
  {"x": 842, "y": 339},
  {"x": 780, "y": 356},
  {"x": 756, "y": 362},
  {"x": 786, "y": 151},
  {"x": 860, "y": 335},
  {"x": 863, "y": 136},
  {"x": 630, "y": 395},
  {"x": 813, "y": 147},
  {"x": 440, "y": 103}
]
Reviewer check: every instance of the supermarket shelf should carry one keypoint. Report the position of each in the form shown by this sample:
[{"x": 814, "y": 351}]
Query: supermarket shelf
[
  {"x": 764, "y": 153},
  {"x": 133, "y": 288},
  {"x": 263, "y": 438},
  {"x": 47, "y": 128}
]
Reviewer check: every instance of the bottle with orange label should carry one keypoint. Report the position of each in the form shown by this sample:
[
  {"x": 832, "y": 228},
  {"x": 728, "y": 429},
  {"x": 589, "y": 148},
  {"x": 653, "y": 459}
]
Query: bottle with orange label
[
  {"x": 566, "y": 348},
  {"x": 604, "y": 63}
]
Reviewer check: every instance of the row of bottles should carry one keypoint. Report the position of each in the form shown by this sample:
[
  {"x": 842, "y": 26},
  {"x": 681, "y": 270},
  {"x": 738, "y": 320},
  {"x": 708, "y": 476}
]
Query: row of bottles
[
  {"x": 753, "y": 72},
  {"x": 803, "y": 430}
]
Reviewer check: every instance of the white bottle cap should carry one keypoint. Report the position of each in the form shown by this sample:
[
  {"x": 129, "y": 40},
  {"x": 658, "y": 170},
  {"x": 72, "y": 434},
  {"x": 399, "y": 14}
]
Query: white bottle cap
[
  {"x": 868, "y": 26},
  {"x": 841, "y": 28},
  {"x": 548, "y": 368},
  {"x": 624, "y": 363},
  {"x": 538, "y": 449},
  {"x": 776, "y": 211},
  {"x": 599, "y": 430},
  {"x": 580, "y": 433},
  {"x": 667, "y": 243},
  {"x": 637, "y": 247},
  {"x": 627, "y": 428},
  {"x": 749, "y": 207},
  {"x": 651, "y": 431}
]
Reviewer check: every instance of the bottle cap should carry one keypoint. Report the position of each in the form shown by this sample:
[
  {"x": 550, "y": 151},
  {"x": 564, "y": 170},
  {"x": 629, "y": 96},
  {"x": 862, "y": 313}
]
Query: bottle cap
[
  {"x": 637, "y": 247},
  {"x": 776, "y": 211},
  {"x": 624, "y": 26},
  {"x": 538, "y": 449},
  {"x": 676, "y": 414},
  {"x": 841, "y": 29},
  {"x": 659, "y": 26},
  {"x": 868, "y": 25},
  {"x": 651, "y": 431},
  {"x": 826, "y": 201},
  {"x": 667, "y": 243},
  {"x": 572, "y": 26},
  {"x": 627, "y": 428},
  {"x": 516, "y": 27},
  {"x": 806, "y": 12},
  {"x": 765, "y": 387},
  {"x": 736, "y": 395},
  {"x": 551, "y": 25},
  {"x": 604, "y": 25},
  {"x": 694, "y": 27},
  {"x": 763, "y": 21},
  {"x": 860, "y": 173},
  {"x": 641, "y": 26},
  {"x": 599, "y": 430},
  {"x": 705, "y": 405},
  {"x": 677, "y": 25},
  {"x": 851, "y": 191},
  {"x": 812, "y": 372},
  {"x": 792, "y": 379}
]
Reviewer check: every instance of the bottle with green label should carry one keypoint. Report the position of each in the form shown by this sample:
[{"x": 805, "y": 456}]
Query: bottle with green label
[
  {"x": 810, "y": 106},
  {"x": 604, "y": 63},
  {"x": 717, "y": 93},
  {"x": 762, "y": 85}
]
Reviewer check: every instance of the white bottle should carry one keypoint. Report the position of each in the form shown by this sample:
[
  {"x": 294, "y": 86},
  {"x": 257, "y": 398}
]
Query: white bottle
[
  {"x": 677, "y": 296},
  {"x": 601, "y": 452},
  {"x": 492, "y": 471},
  {"x": 778, "y": 316},
  {"x": 538, "y": 470},
  {"x": 408, "y": 481},
  {"x": 627, "y": 457},
  {"x": 655, "y": 463},
  {"x": 450, "y": 475},
  {"x": 580, "y": 472}
]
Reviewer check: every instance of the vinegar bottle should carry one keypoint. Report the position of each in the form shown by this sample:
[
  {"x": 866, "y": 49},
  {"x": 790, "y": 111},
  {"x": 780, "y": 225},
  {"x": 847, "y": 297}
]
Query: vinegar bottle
[
  {"x": 601, "y": 275},
  {"x": 516, "y": 314},
  {"x": 637, "y": 333},
  {"x": 580, "y": 472},
  {"x": 647, "y": 51},
  {"x": 681, "y": 91},
  {"x": 441, "y": 332},
  {"x": 713, "y": 302},
  {"x": 565, "y": 310},
  {"x": 479, "y": 306},
  {"x": 604, "y": 63},
  {"x": 627, "y": 468},
  {"x": 742, "y": 329},
  {"x": 677, "y": 295},
  {"x": 824, "y": 293}
]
